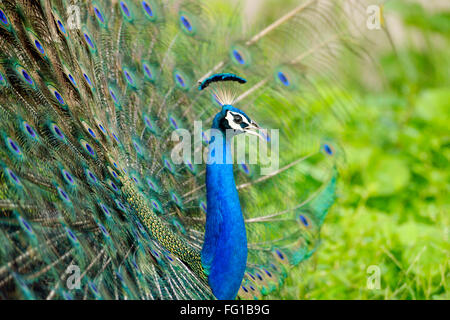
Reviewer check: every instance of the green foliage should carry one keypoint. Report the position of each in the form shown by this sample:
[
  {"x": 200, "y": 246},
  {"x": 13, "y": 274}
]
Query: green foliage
[{"x": 392, "y": 207}]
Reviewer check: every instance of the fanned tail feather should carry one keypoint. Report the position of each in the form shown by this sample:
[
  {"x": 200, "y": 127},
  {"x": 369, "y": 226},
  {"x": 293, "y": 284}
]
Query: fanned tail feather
[{"x": 90, "y": 94}]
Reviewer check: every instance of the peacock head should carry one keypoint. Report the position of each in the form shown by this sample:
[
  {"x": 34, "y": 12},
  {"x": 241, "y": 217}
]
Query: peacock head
[{"x": 231, "y": 120}]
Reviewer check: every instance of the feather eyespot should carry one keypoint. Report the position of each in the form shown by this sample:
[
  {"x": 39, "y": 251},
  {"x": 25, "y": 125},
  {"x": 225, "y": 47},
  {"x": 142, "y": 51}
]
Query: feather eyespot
[
  {"x": 2, "y": 80},
  {"x": 169, "y": 166},
  {"x": 245, "y": 168},
  {"x": 190, "y": 166},
  {"x": 59, "y": 23},
  {"x": 135, "y": 179},
  {"x": 148, "y": 10},
  {"x": 88, "y": 148},
  {"x": 93, "y": 287},
  {"x": 92, "y": 133},
  {"x": 265, "y": 135},
  {"x": 155, "y": 253},
  {"x": 120, "y": 206},
  {"x": 67, "y": 295},
  {"x": 205, "y": 138},
  {"x": 114, "y": 174},
  {"x": 89, "y": 41},
  {"x": 153, "y": 185},
  {"x": 4, "y": 21},
  {"x": 173, "y": 122},
  {"x": 63, "y": 195},
  {"x": 57, "y": 132},
  {"x": 37, "y": 43},
  {"x": 267, "y": 272},
  {"x": 133, "y": 262},
  {"x": 203, "y": 205},
  {"x": 147, "y": 72},
  {"x": 39, "y": 47},
  {"x": 103, "y": 230},
  {"x": 304, "y": 220},
  {"x": 279, "y": 254},
  {"x": 328, "y": 149},
  {"x": 175, "y": 198},
  {"x": 156, "y": 205},
  {"x": 148, "y": 122},
  {"x": 137, "y": 147},
  {"x": 100, "y": 126},
  {"x": 180, "y": 80},
  {"x": 99, "y": 15},
  {"x": 67, "y": 177},
  {"x": 251, "y": 275},
  {"x": 72, "y": 80},
  {"x": 12, "y": 177},
  {"x": 25, "y": 76},
  {"x": 129, "y": 77},
  {"x": 119, "y": 276},
  {"x": 91, "y": 177},
  {"x": 88, "y": 80},
  {"x": 125, "y": 9},
  {"x": 24, "y": 223},
  {"x": 113, "y": 95},
  {"x": 13, "y": 147},
  {"x": 283, "y": 78},
  {"x": 59, "y": 98},
  {"x": 186, "y": 23},
  {"x": 88, "y": 128},
  {"x": 29, "y": 131},
  {"x": 69, "y": 76},
  {"x": 61, "y": 27},
  {"x": 105, "y": 210},
  {"x": 71, "y": 235},
  {"x": 115, "y": 137},
  {"x": 3, "y": 18},
  {"x": 238, "y": 57},
  {"x": 113, "y": 186}
]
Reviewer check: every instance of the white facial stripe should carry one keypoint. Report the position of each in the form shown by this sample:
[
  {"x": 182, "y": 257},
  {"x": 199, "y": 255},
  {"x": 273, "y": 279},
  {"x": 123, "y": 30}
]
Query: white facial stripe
[
  {"x": 231, "y": 123},
  {"x": 230, "y": 117}
]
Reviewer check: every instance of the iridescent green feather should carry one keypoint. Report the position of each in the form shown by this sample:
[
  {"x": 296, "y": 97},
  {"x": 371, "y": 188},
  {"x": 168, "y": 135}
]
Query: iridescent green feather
[{"x": 90, "y": 95}]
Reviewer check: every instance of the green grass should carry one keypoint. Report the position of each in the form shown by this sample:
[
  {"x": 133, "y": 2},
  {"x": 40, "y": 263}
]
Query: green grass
[{"x": 392, "y": 210}]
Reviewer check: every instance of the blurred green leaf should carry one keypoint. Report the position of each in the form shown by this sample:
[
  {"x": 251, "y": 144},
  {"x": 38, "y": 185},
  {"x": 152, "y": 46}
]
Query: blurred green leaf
[
  {"x": 386, "y": 175},
  {"x": 434, "y": 104}
]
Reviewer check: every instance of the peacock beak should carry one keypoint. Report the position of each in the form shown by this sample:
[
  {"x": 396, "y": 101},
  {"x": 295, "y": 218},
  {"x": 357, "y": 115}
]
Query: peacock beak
[{"x": 253, "y": 129}]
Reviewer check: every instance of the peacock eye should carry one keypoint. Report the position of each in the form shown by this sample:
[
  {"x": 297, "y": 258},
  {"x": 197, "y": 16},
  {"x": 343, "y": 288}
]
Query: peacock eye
[{"x": 237, "y": 119}]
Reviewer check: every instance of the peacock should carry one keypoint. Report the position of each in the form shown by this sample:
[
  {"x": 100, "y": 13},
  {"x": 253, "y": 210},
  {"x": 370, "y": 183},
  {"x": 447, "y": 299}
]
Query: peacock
[{"x": 95, "y": 202}]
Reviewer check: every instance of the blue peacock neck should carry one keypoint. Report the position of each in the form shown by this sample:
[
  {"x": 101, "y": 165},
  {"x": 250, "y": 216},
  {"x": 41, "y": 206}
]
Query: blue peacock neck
[{"x": 224, "y": 253}]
